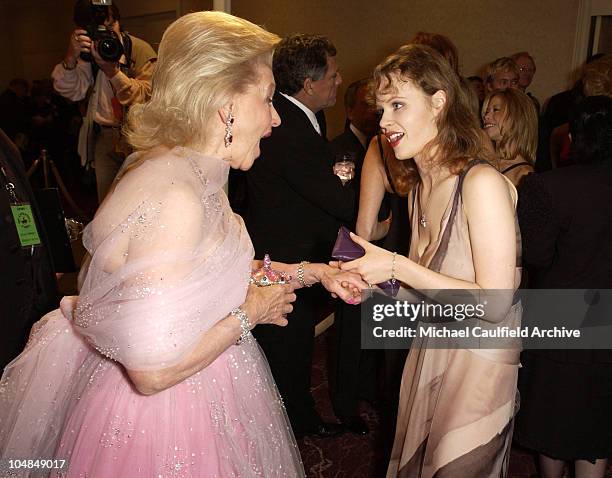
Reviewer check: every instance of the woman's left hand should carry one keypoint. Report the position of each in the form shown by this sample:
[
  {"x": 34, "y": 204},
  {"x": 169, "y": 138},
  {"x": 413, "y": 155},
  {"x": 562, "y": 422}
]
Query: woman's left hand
[{"x": 375, "y": 266}]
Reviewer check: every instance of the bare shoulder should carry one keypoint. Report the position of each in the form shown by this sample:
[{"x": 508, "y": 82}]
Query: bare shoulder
[
  {"x": 373, "y": 142},
  {"x": 373, "y": 162},
  {"x": 483, "y": 176},
  {"x": 373, "y": 150},
  {"x": 483, "y": 184},
  {"x": 376, "y": 144},
  {"x": 387, "y": 149}
]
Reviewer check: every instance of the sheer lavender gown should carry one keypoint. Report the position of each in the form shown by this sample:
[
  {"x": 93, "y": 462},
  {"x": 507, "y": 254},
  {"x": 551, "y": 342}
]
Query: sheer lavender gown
[
  {"x": 165, "y": 266},
  {"x": 457, "y": 406}
]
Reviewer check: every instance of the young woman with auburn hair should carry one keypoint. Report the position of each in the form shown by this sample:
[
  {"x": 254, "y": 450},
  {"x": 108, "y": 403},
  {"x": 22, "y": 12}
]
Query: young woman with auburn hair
[
  {"x": 380, "y": 182},
  {"x": 383, "y": 172},
  {"x": 457, "y": 405}
]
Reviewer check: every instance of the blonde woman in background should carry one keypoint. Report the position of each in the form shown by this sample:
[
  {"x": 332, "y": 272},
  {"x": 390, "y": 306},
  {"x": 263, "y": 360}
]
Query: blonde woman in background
[{"x": 510, "y": 120}]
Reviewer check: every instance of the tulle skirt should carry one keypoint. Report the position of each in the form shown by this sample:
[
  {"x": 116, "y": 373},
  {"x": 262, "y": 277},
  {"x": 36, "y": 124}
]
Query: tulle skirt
[{"x": 66, "y": 401}]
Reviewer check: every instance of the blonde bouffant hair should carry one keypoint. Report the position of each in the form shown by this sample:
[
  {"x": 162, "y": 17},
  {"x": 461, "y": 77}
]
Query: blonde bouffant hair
[{"x": 204, "y": 59}]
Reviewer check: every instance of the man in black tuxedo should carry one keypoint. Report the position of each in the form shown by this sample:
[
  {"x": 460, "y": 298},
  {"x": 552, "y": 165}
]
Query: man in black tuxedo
[
  {"x": 295, "y": 206},
  {"x": 28, "y": 288},
  {"x": 354, "y": 370}
]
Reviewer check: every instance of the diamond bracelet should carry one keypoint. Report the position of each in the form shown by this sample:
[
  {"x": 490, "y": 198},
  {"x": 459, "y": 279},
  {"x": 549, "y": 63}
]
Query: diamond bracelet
[{"x": 245, "y": 324}]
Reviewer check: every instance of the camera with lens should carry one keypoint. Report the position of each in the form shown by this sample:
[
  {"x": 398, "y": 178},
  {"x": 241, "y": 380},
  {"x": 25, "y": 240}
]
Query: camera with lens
[{"x": 91, "y": 15}]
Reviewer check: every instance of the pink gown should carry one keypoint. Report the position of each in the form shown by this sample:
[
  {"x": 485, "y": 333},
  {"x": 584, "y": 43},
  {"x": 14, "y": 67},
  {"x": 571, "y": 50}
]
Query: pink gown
[{"x": 164, "y": 269}]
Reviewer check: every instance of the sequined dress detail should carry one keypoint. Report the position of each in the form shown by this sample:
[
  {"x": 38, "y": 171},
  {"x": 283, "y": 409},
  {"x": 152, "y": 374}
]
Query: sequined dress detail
[{"x": 164, "y": 268}]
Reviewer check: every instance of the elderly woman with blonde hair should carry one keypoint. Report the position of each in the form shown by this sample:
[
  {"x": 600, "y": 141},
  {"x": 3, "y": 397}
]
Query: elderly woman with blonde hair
[{"x": 152, "y": 370}]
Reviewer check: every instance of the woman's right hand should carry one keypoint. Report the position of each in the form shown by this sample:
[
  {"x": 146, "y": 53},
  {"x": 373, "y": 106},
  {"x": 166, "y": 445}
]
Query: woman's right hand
[{"x": 269, "y": 305}]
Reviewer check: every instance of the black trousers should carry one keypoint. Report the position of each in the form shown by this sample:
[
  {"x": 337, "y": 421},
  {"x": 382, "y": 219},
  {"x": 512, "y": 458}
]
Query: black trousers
[
  {"x": 289, "y": 352},
  {"x": 354, "y": 371}
]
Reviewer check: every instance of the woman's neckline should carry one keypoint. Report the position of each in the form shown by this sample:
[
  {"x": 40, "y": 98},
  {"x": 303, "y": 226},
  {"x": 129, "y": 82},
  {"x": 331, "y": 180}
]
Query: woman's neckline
[{"x": 443, "y": 221}]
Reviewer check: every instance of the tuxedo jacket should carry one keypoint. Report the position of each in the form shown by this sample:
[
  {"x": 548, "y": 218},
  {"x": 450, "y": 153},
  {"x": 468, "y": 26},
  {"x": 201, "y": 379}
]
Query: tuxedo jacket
[
  {"x": 295, "y": 202},
  {"x": 28, "y": 288}
]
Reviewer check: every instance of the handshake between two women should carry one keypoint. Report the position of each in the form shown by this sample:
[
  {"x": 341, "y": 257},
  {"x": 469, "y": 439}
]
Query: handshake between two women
[{"x": 270, "y": 305}]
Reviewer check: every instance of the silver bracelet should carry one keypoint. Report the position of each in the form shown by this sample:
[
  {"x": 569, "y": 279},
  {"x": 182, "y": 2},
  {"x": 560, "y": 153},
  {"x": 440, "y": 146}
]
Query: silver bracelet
[
  {"x": 393, "y": 268},
  {"x": 300, "y": 274},
  {"x": 245, "y": 324}
]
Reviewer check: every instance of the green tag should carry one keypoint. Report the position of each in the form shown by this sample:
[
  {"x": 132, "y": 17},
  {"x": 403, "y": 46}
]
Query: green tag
[{"x": 26, "y": 227}]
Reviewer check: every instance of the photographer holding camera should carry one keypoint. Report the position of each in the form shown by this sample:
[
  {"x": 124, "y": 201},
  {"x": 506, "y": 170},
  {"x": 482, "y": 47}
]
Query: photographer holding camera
[{"x": 113, "y": 69}]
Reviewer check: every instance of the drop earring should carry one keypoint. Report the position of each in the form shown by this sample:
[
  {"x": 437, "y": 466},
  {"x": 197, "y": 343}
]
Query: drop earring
[{"x": 229, "y": 123}]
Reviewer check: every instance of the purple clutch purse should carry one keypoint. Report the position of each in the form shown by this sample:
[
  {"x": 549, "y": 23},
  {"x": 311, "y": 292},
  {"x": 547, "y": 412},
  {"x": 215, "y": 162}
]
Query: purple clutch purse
[{"x": 345, "y": 249}]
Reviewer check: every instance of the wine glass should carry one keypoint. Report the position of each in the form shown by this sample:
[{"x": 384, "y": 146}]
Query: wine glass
[{"x": 344, "y": 167}]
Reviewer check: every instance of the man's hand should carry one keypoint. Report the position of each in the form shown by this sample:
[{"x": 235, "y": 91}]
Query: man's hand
[{"x": 109, "y": 68}]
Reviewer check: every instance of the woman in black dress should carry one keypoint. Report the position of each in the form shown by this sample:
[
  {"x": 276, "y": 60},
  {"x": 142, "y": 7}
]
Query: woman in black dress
[{"x": 566, "y": 225}]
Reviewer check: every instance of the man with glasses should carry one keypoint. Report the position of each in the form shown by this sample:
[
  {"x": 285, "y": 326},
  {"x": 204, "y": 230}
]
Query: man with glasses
[{"x": 527, "y": 69}]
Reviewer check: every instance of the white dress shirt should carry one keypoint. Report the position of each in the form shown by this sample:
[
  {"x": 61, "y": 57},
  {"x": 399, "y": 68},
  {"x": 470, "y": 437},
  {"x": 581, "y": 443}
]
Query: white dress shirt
[{"x": 74, "y": 84}]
